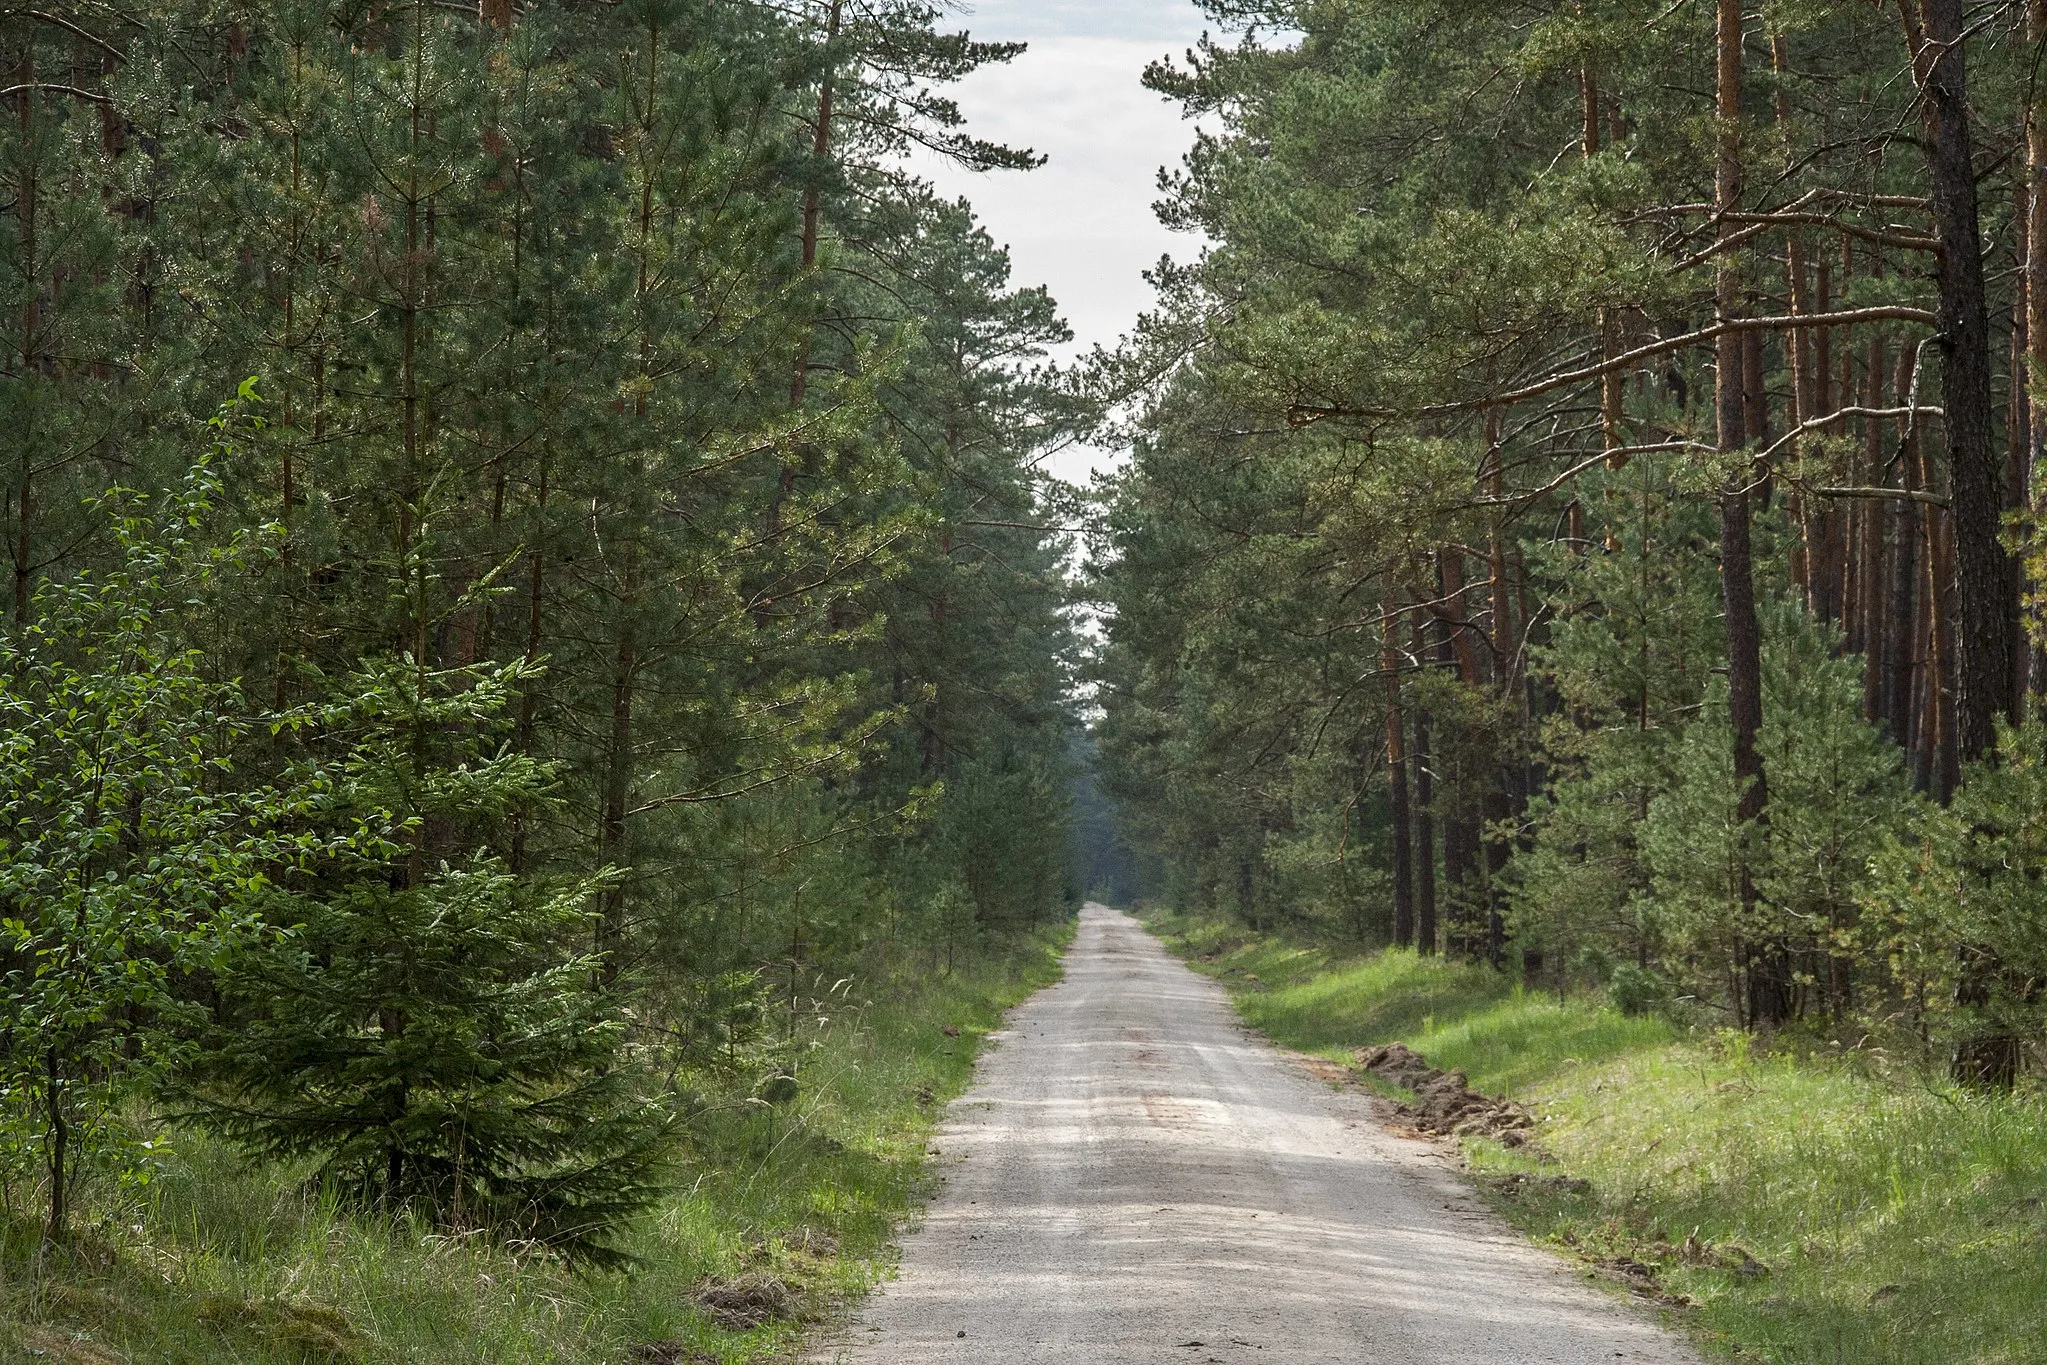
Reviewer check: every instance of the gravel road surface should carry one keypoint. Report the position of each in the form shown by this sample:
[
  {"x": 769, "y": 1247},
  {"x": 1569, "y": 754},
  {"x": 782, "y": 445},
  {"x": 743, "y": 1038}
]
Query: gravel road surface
[{"x": 1134, "y": 1178}]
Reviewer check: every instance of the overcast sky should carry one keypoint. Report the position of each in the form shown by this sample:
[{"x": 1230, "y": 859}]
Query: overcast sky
[{"x": 1083, "y": 224}]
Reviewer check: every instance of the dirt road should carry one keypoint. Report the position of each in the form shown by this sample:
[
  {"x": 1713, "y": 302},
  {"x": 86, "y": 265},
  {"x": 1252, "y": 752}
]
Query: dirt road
[{"x": 1134, "y": 1178}]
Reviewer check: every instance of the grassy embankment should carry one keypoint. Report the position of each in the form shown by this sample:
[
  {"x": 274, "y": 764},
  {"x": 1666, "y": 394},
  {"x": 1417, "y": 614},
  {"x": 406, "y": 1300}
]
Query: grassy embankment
[
  {"x": 1900, "y": 1222},
  {"x": 216, "y": 1263}
]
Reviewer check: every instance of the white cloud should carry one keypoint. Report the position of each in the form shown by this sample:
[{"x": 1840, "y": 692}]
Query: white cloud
[{"x": 1083, "y": 225}]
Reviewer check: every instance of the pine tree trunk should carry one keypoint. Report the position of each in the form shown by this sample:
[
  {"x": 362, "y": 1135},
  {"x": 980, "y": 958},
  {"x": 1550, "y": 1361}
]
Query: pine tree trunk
[
  {"x": 1987, "y": 627},
  {"x": 813, "y": 201},
  {"x": 1804, "y": 396},
  {"x": 1612, "y": 386},
  {"x": 1425, "y": 931},
  {"x": 2034, "y": 375},
  {"x": 1902, "y": 638},
  {"x": 1947, "y": 725},
  {"x": 1402, "y": 833},
  {"x": 31, "y": 327},
  {"x": 1768, "y": 1003},
  {"x": 1424, "y": 820},
  {"x": 2018, "y": 462},
  {"x": 1985, "y": 580},
  {"x": 58, "y": 1145},
  {"x": 1925, "y": 676},
  {"x": 527, "y": 733},
  {"x": 1460, "y": 834},
  {"x": 1873, "y": 517},
  {"x": 1503, "y": 787},
  {"x": 618, "y": 775}
]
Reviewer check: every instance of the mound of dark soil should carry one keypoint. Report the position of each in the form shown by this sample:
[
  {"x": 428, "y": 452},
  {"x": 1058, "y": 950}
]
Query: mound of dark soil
[
  {"x": 669, "y": 1353},
  {"x": 1444, "y": 1103},
  {"x": 747, "y": 1302}
]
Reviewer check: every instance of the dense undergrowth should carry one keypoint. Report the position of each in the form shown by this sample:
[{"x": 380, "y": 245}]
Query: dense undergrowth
[
  {"x": 1817, "y": 1206},
  {"x": 791, "y": 1206}
]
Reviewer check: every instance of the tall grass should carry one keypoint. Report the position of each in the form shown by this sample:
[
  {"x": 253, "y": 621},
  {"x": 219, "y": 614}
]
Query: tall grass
[
  {"x": 216, "y": 1261},
  {"x": 1838, "y": 1213}
]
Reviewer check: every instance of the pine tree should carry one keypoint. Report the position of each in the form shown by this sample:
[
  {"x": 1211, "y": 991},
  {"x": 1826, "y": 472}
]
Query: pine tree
[{"x": 427, "y": 1025}]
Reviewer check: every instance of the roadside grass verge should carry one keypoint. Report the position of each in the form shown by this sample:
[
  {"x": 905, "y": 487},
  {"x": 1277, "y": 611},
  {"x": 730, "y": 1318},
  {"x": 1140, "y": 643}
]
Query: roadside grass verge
[
  {"x": 1816, "y": 1207},
  {"x": 218, "y": 1262}
]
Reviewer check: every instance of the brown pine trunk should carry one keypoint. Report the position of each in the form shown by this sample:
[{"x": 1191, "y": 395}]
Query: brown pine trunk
[
  {"x": 618, "y": 776},
  {"x": 1424, "y": 836},
  {"x": 31, "y": 328},
  {"x": 2018, "y": 446},
  {"x": 1498, "y": 803},
  {"x": 1986, "y": 603},
  {"x": 1988, "y": 614},
  {"x": 1823, "y": 342},
  {"x": 58, "y": 1145},
  {"x": 813, "y": 202},
  {"x": 1460, "y": 833},
  {"x": 526, "y": 734},
  {"x": 1456, "y": 626},
  {"x": 1612, "y": 391},
  {"x": 2034, "y": 376},
  {"x": 1872, "y": 519},
  {"x": 1499, "y": 594},
  {"x": 1947, "y": 761},
  {"x": 1925, "y": 677},
  {"x": 2036, "y": 246},
  {"x": 813, "y": 217},
  {"x": 1769, "y": 1001},
  {"x": 1396, "y": 769},
  {"x": 1901, "y": 637}
]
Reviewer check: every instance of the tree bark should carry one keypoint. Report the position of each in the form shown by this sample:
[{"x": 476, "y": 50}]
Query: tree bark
[
  {"x": 813, "y": 200},
  {"x": 59, "y": 1142},
  {"x": 1986, "y": 599},
  {"x": 1987, "y": 628},
  {"x": 2035, "y": 292},
  {"x": 618, "y": 776},
  {"x": 1767, "y": 1003},
  {"x": 2036, "y": 247},
  {"x": 813, "y": 218},
  {"x": 1871, "y": 519},
  {"x": 1902, "y": 641},
  {"x": 1612, "y": 385},
  {"x": 1424, "y": 820},
  {"x": 1424, "y": 841},
  {"x": 31, "y": 328},
  {"x": 1396, "y": 769},
  {"x": 1460, "y": 834}
]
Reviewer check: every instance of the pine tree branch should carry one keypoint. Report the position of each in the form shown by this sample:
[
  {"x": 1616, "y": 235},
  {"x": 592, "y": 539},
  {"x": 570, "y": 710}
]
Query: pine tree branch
[
  {"x": 52, "y": 88},
  {"x": 59, "y": 21},
  {"x": 1882, "y": 494},
  {"x": 1627, "y": 359}
]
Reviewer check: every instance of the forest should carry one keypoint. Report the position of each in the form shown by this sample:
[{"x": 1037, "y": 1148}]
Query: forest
[
  {"x": 1584, "y": 516},
  {"x": 551, "y": 703},
  {"x": 528, "y": 570}
]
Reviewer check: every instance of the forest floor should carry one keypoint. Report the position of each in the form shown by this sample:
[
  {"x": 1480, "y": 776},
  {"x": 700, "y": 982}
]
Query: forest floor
[
  {"x": 788, "y": 1216},
  {"x": 1135, "y": 1178},
  {"x": 1808, "y": 1205}
]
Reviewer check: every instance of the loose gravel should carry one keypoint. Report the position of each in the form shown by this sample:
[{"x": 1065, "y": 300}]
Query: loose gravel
[{"x": 1135, "y": 1178}]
